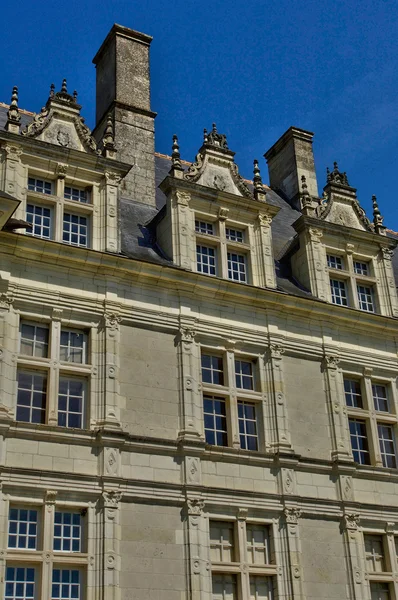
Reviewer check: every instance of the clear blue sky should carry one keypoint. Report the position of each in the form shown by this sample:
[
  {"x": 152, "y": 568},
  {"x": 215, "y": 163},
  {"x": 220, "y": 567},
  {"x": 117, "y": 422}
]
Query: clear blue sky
[{"x": 253, "y": 67}]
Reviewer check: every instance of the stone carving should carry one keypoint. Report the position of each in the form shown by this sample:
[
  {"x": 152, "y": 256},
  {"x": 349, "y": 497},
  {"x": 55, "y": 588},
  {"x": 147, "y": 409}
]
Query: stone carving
[
  {"x": 187, "y": 334},
  {"x": 288, "y": 481},
  {"x": 63, "y": 138},
  {"x": 346, "y": 485},
  {"x": 196, "y": 565},
  {"x": 194, "y": 169},
  {"x": 223, "y": 213},
  {"x": 390, "y": 528},
  {"x": 38, "y": 124},
  {"x": 315, "y": 234},
  {"x": 351, "y": 521},
  {"x": 6, "y": 300},
  {"x": 50, "y": 497},
  {"x": 336, "y": 176},
  {"x": 242, "y": 514},
  {"x": 387, "y": 253},
  {"x": 331, "y": 362},
  {"x": 112, "y": 321},
  {"x": 192, "y": 466},
  {"x": 182, "y": 198},
  {"x": 111, "y": 498},
  {"x": 111, "y": 461},
  {"x": 215, "y": 139},
  {"x": 62, "y": 170},
  {"x": 264, "y": 220},
  {"x": 276, "y": 350},
  {"x": 112, "y": 178},
  {"x": 292, "y": 515},
  {"x": 195, "y": 506}
]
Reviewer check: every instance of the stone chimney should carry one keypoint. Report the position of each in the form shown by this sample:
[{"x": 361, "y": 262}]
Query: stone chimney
[
  {"x": 288, "y": 160},
  {"x": 123, "y": 93}
]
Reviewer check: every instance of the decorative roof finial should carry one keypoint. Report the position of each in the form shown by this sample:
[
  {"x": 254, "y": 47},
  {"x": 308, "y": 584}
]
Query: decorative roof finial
[
  {"x": 64, "y": 89},
  {"x": 13, "y": 112},
  {"x": 304, "y": 186},
  {"x": 215, "y": 139},
  {"x": 257, "y": 181},
  {"x": 307, "y": 207},
  {"x": 52, "y": 90},
  {"x": 377, "y": 217},
  {"x": 205, "y": 139},
  {"x": 175, "y": 155},
  {"x": 336, "y": 176},
  {"x": 75, "y": 95},
  {"x": 108, "y": 140}
]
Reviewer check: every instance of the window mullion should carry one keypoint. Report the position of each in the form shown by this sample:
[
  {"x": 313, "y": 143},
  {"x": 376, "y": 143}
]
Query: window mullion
[
  {"x": 352, "y": 292},
  {"x": 234, "y": 440},
  {"x": 47, "y": 528},
  {"x": 223, "y": 262},
  {"x": 374, "y": 441},
  {"x": 53, "y": 376},
  {"x": 58, "y": 217}
]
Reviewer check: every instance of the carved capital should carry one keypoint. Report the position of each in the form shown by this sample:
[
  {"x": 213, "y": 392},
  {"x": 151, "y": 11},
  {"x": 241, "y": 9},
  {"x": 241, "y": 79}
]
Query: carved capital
[
  {"x": 276, "y": 350},
  {"x": 13, "y": 152},
  {"x": 112, "y": 178},
  {"x": 182, "y": 198},
  {"x": 242, "y": 514},
  {"x": 62, "y": 170},
  {"x": 264, "y": 220},
  {"x": 56, "y": 314},
  {"x": 390, "y": 528},
  {"x": 112, "y": 321},
  {"x": 111, "y": 498},
  {"x": 6, "y": 300},
  {"x": 387, "y": 253},
  {"x": 50, "y": 497},
  {"x": 187, "y": 334},
  {"x": 351, "y": 521},
  {"x": 292, "y": 515},
  {"x": 223, "y": 213},
  {"x": 331, "y": 362},
  {"x": 315, "y": 234},
  {"x": 195, "y": 506},
  {"x": 349, "y": 248}
]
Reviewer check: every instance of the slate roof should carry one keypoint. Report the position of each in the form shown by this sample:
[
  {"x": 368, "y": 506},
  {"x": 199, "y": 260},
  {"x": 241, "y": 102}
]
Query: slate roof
[{"x": 137, "y": 240}]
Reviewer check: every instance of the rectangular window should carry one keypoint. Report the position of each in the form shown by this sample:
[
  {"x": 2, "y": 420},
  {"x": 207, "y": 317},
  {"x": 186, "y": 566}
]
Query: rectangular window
[
  {"x": 212, "y": 369},
  {"x": 353, "y": 395},
  {"x": 77, "y": 194},
  {"x": 73, "y": 346},
  {"x": 387, "y": 445},
  {"x": 361, "y": 268},
  {"x": 247, "y": 425},
  {"x": 234, "y": 235},
  {"x": 215, "y": 420},
  {"x": 224, "y": 587},
  {"x": 32, "y": 397},
  {"x": 20, "y": 583},
  {"x": 75, "y": 230},
  {"x": 39, "y": 185},
  {"x": 40, "y": 219},
  {"x": 359, "y": 441},
  {"x": 204, "y": 227},
  {"x": 66, "y": 584},
  {"x": 258, "y": 544},
  {"x": 365, "y": 298},
  {"x": 244, "y": 377},
  {"x": 335, "y": 262},
  {"x": 222, "y": 541},
  {"x": 22, "y": 529},
  {"x": 380, "y": 397},
  {"x": 380, "y": 591},
  {"x": 34, "y": 340},
  {"x": 374, "y": 552},
  {"x": 67, "y": 532},
  {"x": 261, "y": 588},
  {"x": 206, "y": 260},
  {"x": 237, "y": 270},
  {"x": 339, "y": 292},
  {"x": 71, "y": 402}
]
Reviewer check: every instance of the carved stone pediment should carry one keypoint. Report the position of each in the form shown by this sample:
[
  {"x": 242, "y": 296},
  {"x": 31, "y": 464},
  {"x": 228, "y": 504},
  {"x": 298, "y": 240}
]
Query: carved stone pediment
[
  {"x": 346, "y": 212},
  {"x": 61, "y": 124}
]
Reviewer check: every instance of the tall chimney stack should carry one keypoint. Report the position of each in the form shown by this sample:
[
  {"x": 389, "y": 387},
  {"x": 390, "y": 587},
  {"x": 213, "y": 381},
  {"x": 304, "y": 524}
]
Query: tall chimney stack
[
  {"x": 123, "y": 91},
  {"x": 290, "y": 158}
]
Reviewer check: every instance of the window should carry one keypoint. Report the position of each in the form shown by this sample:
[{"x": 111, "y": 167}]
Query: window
[
  {"x": 339, "y": 292},
  {"x": 235, "y": 412},
  {"x": 34, "y": 375},
  {"x": 76, "y": 194},
  {"x": 362, "y": 400},
  {"x": 206, "y": 260},
  {"x": 374, "y": 553},
  {"x": 39, "y": 185},
  {"x": 335, "y": 262},
  {"x": 380, "y": 591},
  {"x": 361, "y": 268},
  {"x": 365, "y": 298},
  {"x": 237, "y": 270},
  {"x": 234, "y": 235},
  {"x": 381, "y": 565},
  {"x": 40, "y": 218},
  {"x": 242, "y": 564},
  {"x": 29, "y": 534},
  {"x": 75, "y": 230},
  {"x": 204, "y": 227}
]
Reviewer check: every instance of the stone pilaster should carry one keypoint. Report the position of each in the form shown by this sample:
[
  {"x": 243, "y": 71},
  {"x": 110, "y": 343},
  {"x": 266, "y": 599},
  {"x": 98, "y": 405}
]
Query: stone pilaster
[
  {"x": 109, "y": 217},
  {"x": 8, "y": 356},
  {"x": 109, "y": 414},
  {"x": 266, "y": 258},
  {"x": 281, "y": 441},
  {"x": 337, "y": 408},
  {"x": 197, "y": 551},
  {"x": 388, "y": 303},
  {"x": 355, "y": 558},
  {"x": 112, "y": 536},
  {"x": 183, "y": 227},
  {"x": 191, "y": 398},
  {"x": 14, "y": 170},
  {"x": 292, "y": 515}
]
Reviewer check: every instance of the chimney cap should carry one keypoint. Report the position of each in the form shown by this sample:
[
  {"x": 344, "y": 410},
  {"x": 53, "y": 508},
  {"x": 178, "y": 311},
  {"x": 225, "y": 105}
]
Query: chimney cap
[
  {"x": 120, "y": 30},
  {"x": 291, "y": 133}
]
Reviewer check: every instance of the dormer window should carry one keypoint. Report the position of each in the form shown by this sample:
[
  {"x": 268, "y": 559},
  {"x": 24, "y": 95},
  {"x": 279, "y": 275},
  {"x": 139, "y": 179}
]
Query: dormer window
[
  {"x": 361, "y": 268},
  {"x": 40, "y": 185},
  {"x": 365, "y": 298},
  {"x": 237, "y": 267},
  {"x": 234, "y": 235},
  {"x": 335, "y": 262},
  {"x": 204, "y": 227},
  {"x": 206, "y": 260},
  {"x": 338, "y": 291}
]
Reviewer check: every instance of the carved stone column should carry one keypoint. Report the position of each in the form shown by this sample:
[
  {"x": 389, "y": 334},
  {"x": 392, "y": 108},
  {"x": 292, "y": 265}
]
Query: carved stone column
[
  {"x": 389, "y": 304},
  {"x": 183, "y": 239},
  {"x": 198, "y": 544},
  {"x": 338, "y": 412},
  {"x": 316, "y": 263},
  {"x": 48, "y": 552},
  {"x": 110, "y": 225},
  {"x": 292, "y": 515},
  {"x": 268, "y": 276},
  {"x": 191, "y": 397},
  {"x": 353, "y": 540},
  {"x": 109, "y": 415},
  {"x": 14, "y": 172},
  {"x": 112, "y": 536},
  {"x": 8, "y": 356},
  {"x": 282, "y": 441}
]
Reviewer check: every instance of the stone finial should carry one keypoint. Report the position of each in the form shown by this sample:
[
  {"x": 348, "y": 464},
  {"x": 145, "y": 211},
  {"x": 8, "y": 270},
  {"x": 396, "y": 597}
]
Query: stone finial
[
  {"x": 108, "y": 139},
  {"x": 205, "y": 139},
  {"x": 177, "y": 169},
  {"x": 336, "y": 176},
  {"x": 64, "y": 88},
  {"x": 216, "y": 139},
  {"x": 377, "y": 217},
  {"x": 307, "y": 207},
  {"x": 13, "y": 112},
  {"x": 52, "y": 90},
  {"x": 259, "y": 191},
  {"x": 75, "y": 95}
]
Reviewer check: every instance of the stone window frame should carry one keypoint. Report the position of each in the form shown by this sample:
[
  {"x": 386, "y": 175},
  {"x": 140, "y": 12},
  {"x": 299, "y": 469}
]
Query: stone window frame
[
  {"x": 59, "y": 205},
  {"x": 232, "y": 395},
  {"x": 223, "y": 246},
  {"x": 241, "y": 567},
  {"x": 389, "y": 575},
  {"x": 53, "y": 368},
  {"x": 351, "y": 278},
  {"x": 44, "y": 559},
  {"x": 369, "y": 415}
]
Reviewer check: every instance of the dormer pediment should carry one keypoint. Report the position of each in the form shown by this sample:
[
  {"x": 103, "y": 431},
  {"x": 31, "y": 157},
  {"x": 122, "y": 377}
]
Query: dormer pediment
[
  {"x": 345, "y": 211},
  {"x": 60, "y": 123}
]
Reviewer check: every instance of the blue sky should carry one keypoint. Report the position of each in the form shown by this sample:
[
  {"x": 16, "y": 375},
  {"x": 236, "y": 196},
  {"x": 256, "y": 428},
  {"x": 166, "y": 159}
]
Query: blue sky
[{"x": 253, "y": 67}]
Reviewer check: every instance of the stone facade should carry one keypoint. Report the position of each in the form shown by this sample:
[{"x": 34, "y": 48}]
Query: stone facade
[{"x": 200, "y": 404}]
